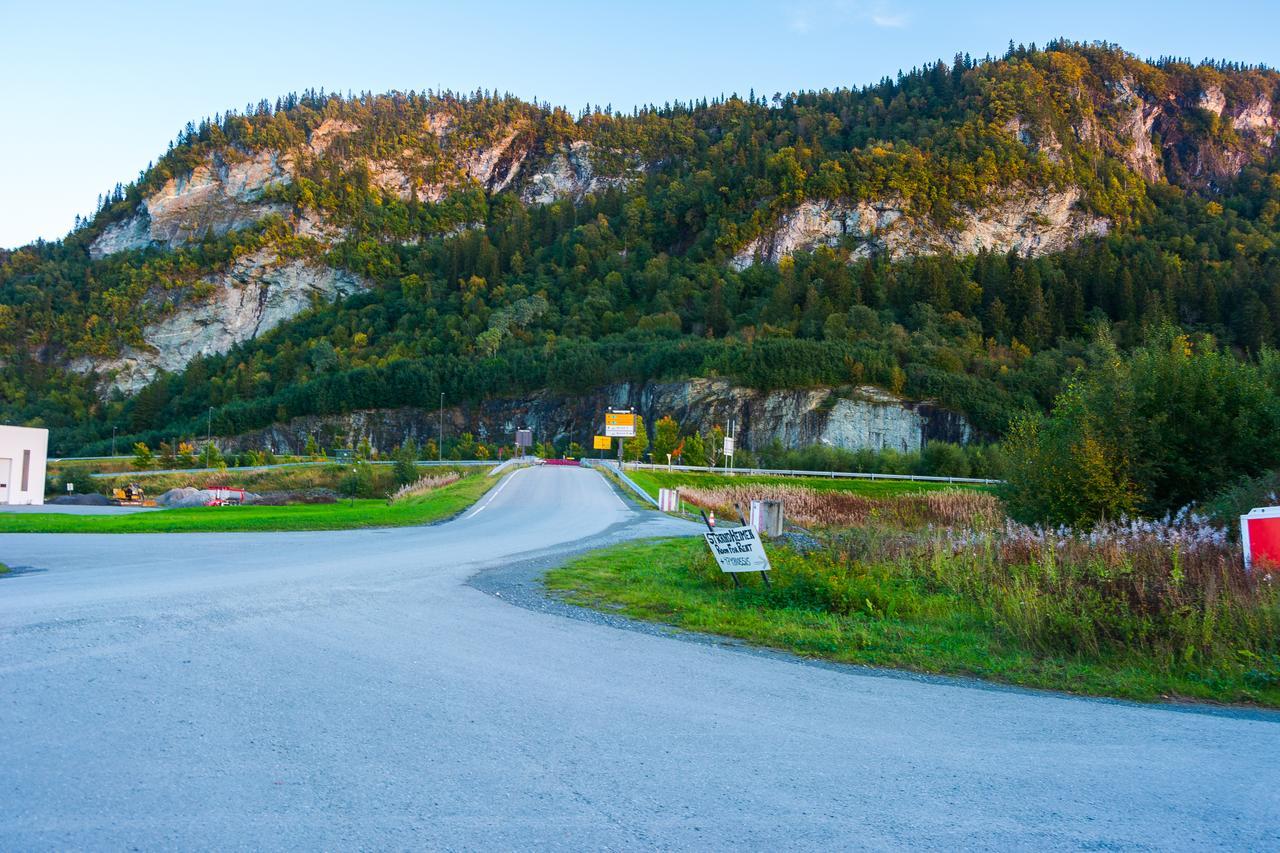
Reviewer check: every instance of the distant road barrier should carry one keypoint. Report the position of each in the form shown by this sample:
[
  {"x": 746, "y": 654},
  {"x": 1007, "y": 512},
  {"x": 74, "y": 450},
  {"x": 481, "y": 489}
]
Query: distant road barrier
[
  {"x": 790, "y": 472},
  {"x": 513, "y": 462}
]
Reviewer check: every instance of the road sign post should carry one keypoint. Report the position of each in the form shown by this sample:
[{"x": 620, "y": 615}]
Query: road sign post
[{"x": 620, "y": 423}]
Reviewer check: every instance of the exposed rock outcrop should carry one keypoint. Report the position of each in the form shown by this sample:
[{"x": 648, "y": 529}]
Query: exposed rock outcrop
[
  {"x": 570, "y": 174},
  {"x": 255, "y": 295},
  {"x": 1030, "y": 223},
  {"x": 868, "y": 419},
  {"x": 220, "y": 195}
]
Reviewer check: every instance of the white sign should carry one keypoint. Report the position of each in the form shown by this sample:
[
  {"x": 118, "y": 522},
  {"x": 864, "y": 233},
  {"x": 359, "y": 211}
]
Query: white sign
[
  {"x": 668, "y": 500},
  {"x": 738, "y": 550},
  {"x": 728, "y": 446}
]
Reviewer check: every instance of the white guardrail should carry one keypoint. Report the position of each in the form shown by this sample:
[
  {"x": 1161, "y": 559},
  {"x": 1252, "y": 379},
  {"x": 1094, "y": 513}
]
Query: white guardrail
[
  {"x": 792, "y": 472},
  {"x": 613, "y": 468},
  {"x": 514, "y": 462}
]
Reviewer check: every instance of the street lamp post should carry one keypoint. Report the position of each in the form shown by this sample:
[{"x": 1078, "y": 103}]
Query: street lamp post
[
  {"x": 440, "y": 446},
  {"x": 113, "y": 440}
]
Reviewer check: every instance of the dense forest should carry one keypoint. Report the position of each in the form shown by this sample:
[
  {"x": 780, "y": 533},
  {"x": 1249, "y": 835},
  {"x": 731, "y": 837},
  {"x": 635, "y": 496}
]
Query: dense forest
[{"x": 477, "y": 292}]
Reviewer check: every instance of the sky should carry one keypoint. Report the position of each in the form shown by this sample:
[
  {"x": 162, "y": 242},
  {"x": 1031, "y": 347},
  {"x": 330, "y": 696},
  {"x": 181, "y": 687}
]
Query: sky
[{"x": 95, "y": 91}]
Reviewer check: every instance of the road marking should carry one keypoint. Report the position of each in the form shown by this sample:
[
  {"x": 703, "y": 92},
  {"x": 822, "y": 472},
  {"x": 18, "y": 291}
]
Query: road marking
[{"x": 501, "y": 486}]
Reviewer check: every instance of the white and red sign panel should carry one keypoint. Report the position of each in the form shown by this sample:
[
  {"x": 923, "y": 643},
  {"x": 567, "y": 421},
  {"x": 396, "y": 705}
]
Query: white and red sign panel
[{"x": 1260, "y": 535}]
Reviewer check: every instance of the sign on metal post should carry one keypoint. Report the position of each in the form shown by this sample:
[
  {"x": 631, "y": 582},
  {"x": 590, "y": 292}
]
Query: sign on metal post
[
  {"x": 1260, "y": 535},
  {"x": 620, "y": 424},
  {"x": 728, "y": 445},
  {"x": 602, "y": 442},
  {"x": 737, "y": 550}
]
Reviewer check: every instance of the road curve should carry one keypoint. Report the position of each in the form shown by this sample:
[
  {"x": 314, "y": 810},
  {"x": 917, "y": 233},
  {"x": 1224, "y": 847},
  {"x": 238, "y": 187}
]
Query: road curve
[{"x": 348, "y": 689}]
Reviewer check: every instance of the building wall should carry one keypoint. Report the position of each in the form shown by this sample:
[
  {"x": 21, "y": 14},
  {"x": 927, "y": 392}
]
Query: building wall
[{"x": 26, "y": 451}]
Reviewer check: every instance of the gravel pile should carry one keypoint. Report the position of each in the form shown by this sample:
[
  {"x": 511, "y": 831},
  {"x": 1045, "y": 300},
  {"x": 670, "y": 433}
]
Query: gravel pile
[
  {"x": 187, "y": 496},
  {"x": 91, "y": 499}
]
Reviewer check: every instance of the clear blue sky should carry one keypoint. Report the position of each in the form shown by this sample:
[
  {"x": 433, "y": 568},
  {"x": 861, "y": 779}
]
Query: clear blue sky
[{"x": 96, "y": 90}]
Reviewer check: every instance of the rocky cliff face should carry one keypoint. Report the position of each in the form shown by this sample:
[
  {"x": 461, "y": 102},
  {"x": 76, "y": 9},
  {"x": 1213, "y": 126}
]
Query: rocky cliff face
[
  {"x": 571, "y": 174},
  {"x": 869, "y": 419},
  {"x": 226, "y": 192},
  {"x": 220, "y": 195},
  {"x": 1200, "y": 140},
  {"x": 257, "y": 294},
  {"x": 1024, "y": 221}
]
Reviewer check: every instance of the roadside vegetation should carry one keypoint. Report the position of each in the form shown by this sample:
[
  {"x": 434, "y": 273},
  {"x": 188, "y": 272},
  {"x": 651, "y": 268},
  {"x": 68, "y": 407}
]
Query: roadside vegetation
[
  {"x": 943, "y": 582},
  {"x": 651, "y": 481},
  {"x": 456, "y": 490}
]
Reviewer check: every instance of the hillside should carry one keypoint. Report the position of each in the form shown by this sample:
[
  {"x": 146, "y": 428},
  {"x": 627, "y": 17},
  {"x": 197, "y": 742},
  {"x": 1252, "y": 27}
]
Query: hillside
[{"x": 952, "y": 235}]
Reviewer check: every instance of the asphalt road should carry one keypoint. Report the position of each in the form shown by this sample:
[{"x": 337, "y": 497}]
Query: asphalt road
[{"x": 349, "y": 690}]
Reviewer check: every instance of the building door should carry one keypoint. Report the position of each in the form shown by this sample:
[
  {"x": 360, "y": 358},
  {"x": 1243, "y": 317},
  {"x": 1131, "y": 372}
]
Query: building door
[{"x": 6, "y": 469}]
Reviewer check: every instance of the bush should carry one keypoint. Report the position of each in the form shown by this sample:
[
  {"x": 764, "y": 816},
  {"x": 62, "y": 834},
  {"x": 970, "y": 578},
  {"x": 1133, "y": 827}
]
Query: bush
[
  {"x": 1149, "y": 434},
  {"x": 359, "y": 482}
]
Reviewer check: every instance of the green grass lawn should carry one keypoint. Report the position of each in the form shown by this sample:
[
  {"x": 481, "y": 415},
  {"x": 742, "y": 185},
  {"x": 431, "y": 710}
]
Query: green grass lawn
[
  {"x": 651, "y": 481},
  {"x": 672, "y": 582},
  {"x": 439, "y": 504}
]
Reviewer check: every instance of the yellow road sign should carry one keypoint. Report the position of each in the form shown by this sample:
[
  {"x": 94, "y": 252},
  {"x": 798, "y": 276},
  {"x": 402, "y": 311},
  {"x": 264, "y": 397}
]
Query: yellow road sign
[
  {"x": 621, "y": 424},
  {"x": 603, "y": 442}
]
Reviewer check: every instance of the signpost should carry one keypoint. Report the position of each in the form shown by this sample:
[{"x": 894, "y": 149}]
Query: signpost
[
  {"x": 524, "y": 439},
  {"x": 602, "y": 442},
  {"x": 737, "y": 549},
  {"x": 618, "y": 424}
]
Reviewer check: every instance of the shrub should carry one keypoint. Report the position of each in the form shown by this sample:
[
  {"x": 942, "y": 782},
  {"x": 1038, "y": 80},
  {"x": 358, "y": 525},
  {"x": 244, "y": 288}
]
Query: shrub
[{"x": 1148, "y": 433}]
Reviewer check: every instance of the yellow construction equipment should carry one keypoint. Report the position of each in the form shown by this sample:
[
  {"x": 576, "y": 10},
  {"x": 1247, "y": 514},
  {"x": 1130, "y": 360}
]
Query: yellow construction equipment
[{"x": 130, "y": 495}]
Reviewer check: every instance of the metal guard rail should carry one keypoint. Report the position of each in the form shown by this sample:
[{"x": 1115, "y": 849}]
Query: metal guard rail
[{"x": 791, "y": 472}]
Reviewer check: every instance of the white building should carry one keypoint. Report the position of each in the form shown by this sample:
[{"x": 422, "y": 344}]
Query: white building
[{"x": 23, "y": 455}]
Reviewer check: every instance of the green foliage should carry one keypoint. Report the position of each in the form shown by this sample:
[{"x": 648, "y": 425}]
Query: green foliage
[
  {"x": 695, "y": 452},
  {"x": 1151, "y": 432},
  {"x": 404, "y": 469},
  {"x": 360, "y": 482},
  {"x": 938, "y": 459},
  {"x": 633, "y": 448},
  {"x": 211, "y": 456},
  {"x": 143, "y": 458},
  {"x": 666, "y": 435}
]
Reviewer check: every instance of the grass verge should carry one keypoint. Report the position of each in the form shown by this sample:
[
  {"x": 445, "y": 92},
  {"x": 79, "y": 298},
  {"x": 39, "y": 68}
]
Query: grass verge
[
  {"x": 893, "y": 621},
  {"x": 424, "y": 509}
]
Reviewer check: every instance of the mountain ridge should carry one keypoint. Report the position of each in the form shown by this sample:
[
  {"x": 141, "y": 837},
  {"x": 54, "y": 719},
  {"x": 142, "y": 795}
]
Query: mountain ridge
[{"x": 1031, "y": 155}]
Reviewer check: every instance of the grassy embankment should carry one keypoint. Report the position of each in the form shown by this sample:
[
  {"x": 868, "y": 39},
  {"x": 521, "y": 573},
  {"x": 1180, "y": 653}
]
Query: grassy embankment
[
  {"x": 433, "y": 506},
  {"x": 934, "y": 583}
]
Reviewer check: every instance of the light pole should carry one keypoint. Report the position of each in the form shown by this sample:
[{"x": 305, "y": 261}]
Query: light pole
[
  {"x": 208, "y": 427},
  {"x": 113, "y": 440},
  {"x": 440, "y": 447}
]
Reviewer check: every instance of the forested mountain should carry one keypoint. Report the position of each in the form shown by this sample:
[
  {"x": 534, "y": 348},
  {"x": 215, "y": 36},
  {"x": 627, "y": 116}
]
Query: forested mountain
[{"x": 955, "y": 234}]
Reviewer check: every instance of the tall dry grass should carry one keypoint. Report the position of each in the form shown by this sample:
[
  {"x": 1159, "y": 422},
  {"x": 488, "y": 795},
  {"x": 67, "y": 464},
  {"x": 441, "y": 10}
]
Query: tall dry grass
[
  {"x": 423, "y": 485},
  {"x": 826, "y": 508}
]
